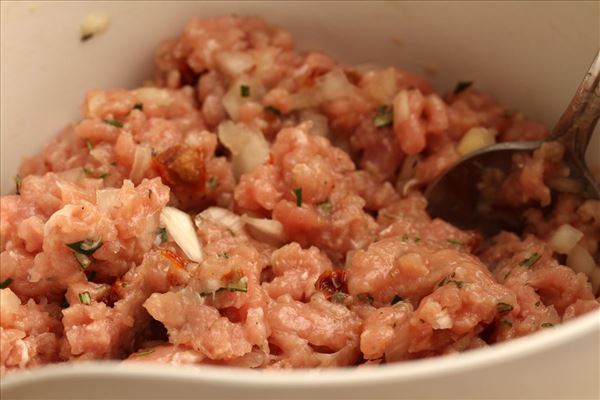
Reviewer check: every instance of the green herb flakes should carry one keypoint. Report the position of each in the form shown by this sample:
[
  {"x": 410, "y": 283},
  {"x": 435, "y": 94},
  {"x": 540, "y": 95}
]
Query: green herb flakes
[
  {"x": 114, "y": 123},
  {"x": 462, "y": 86},
  {"x": 506, "y": 322},
  {"x": 383, "y": 117},
  {"x": 5, "y": 283},
  {"x": 162, "y": 235},
  {"x": 18, "y": 184},
  {"x": 547, "y": 325},
  {"x": 404, "y": 238},
  {"x": 325, "y": 207},
  {"x": 504, "y": 308},
  {"x": 531, "y": 260},
  {"x": 245, "y": 90},
  {"x": 85, "y": 298},
  {"x": 239, "y": 286},
  {"x": 144, "y": 353},
  {"x": 223, "y": 254},
  {"x": 339, "y": 297},
  {"x": 89, "y": 144},
  {"x": 456, "y": 242},
  {"x": 87, "y": 247},
  {"x": 298, "y": 194},
  {"x": 213, "y": 182},
  {"x": 273, "y": 110}
]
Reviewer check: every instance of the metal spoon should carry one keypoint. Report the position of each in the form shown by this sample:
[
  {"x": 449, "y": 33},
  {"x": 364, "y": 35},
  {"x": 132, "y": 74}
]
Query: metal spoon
[{"x": 455, "y": 196}]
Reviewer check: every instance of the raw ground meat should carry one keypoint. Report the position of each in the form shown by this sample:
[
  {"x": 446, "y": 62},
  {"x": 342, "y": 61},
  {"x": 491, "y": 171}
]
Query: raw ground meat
[{"x": 304, "y": 178}]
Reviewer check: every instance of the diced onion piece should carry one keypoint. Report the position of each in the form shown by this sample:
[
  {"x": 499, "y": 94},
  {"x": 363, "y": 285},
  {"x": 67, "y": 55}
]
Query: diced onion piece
[
  {"x": 401, "y": 109},
  {"x": 265, "y": 230},
  {"x": 222, "y": 217},
  {"x": 381, "y": 85},
  {"x": 107, "y": 198},
  {"x": 475, "y": 139},
  {"x": 141, "y": 162},
  {"x": 94, "y": 104},
  {"x": 565, "y": 185},
  {"x": 233, "y": 99},
  {"x": 234, "y": 63},
  {"x": 181, "y": 228},
  {"x": 580, "y": 260},
  {"x": 10, "y": 304},
  {"x": 565, "y": 238},
  {"x": 334, "y": 85},
  {"x": 248, "y": 146},
  {"x": 151, "y": 96},
  {"x": 93, "y": 24},
  {"x": 320, "y": 125}
]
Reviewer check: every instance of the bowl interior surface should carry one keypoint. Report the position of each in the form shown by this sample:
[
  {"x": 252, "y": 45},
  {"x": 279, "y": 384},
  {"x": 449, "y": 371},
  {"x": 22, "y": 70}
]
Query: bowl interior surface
[{"x": 529, "y": 55}]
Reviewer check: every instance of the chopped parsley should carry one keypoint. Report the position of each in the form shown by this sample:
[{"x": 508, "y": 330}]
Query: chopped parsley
[
  {"x": 87, "y": 247},
  {"x": 298, "y": 194},
  {"x": 162, "y": 234},
  {"x": 83, "y": 260},
  {"x": 388, "y": 215},
  {"x": 417, "y": 239},
  {"x": 504, "y": 308},
  {"x": 383, "y": 117},
  {"x": 223, "y": 254},
  {"x": 213, "y": 182},
  {"x": 365, "y": 297},
  {"x": 239, "y": 286},
  {"x": 273, "y": 110},
  {"x": 462, "y": 86},
  {"x": 144, "y": 353},
  {"x": 5, "y": 283},
  {"x": 404, "y": 238},
  {"x": 18, "y": 184},
  {"x": 91, "y": 174},
  {"x": 447, "y": 280},
  {"x": 85, "y": 298},
  {"x": 139, "y": 106},
  {"x": 114, "y": 122},
  {"x": 506, "y": 322},
  {"x": 339, "y": 297},
  {"x": 396, "y": 299},
  {"x": 529, "y": 261},
  {"x": 456, "y": 242},
  {"x": 245, "y": 90},
  {"x": 547, "y": 325},
  {"x": 89, "y": 144},
  {"x": 538, "y": 303},
  {"x": 231, "y": 232},
  {"x": 325, "y": 207}
]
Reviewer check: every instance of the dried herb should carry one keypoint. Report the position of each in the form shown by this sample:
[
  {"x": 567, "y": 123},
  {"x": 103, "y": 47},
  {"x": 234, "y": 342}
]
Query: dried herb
[
  {"x": 531, "y": 260},
  {"x": 383, "y": 117}
]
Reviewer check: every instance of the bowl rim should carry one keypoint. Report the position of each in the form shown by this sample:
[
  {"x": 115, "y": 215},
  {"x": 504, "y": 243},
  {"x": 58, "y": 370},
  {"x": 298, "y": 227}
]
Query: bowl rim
[{"x": 588, "y": 324}]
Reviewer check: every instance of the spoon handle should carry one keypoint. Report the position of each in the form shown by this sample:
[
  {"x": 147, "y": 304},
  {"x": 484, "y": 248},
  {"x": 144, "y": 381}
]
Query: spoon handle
[{"x": 576, "y": 125}]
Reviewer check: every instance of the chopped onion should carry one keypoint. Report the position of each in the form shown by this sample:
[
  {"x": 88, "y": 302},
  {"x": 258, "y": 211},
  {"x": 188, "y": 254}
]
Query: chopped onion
[
  {"x": 565, "y": 238},
  {"x": 381, "y": 85},
  {"x": 93, "y": 24},
  {"x": 10, "y": 304},
  {"x": 151, "y": 96},
  {"x": 580, "y": 260},
  {"x": 248, "y": 146},
  {"x": 107, "y": 199},
  {"x": 222, "y": 217},
  {"x": 320, "y": 125},
  {"x": 401, "y": 109},
  {"x": 331, "y": 86},
  {"x": 181, "y": 228},
  {"x": 334, "y": 85},
  {"x": 233, "y": 99},
  {"x": 141, "y": 163},
  {"x": 234, "y": 63},
  {"x": 265, "y": 230},
  {"x": 475, "y": 139}
]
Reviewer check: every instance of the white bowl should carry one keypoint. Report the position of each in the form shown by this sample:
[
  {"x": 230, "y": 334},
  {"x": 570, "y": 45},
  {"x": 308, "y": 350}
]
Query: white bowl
[{"x": 529, "y": 55}]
